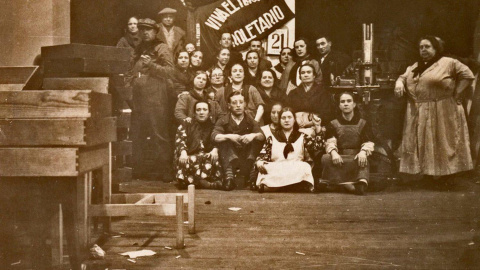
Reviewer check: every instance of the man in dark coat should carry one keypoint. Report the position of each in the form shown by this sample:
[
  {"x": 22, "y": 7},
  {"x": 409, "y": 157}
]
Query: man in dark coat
[
  {"x": 332, "y": 63},
  {"x": 168, "y": 33},
  {"x": 151, "y": 120}
]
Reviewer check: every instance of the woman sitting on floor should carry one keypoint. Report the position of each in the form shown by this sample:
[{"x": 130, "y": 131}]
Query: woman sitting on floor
[
  {"x": 281, "y": 162},
  {"x": 349, "y": 143},
  {"x": 196, "y": 157}
]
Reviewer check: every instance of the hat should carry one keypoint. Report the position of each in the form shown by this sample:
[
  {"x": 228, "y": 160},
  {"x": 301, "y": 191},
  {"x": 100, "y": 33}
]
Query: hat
[
  {"x": 147, "y": 23},
  {"x": 167, "y": 11}
]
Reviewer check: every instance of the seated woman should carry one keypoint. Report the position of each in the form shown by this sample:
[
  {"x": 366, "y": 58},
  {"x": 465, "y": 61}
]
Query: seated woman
[
  {"x": 185, "y": 107},
  {"x": 281, "y": 162},
  {"x": 269, "y": 129},
  {"x": 310, "y": 98},
  {"x": 349, "y": 143},
  {"x": 196, "y": 158}
]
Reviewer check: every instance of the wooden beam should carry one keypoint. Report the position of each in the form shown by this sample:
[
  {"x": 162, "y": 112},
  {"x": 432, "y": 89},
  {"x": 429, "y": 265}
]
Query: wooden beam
[
  {"x": 75, "y": 50},
  {"x": 11, "y": 87},
  {"x": 96, "y": 84},
  {"x": 85, "y": 65},
  {"x": 123, "y": 210},
  {"x": 38, "y": 162},
  {"x": 179, "y": 212},
  {"x": 191, "y": 209}
]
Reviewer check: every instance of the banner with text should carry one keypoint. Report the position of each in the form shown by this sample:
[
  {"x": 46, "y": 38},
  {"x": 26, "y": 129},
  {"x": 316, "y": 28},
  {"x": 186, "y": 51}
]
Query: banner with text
[{"x": 244, "y": 19}]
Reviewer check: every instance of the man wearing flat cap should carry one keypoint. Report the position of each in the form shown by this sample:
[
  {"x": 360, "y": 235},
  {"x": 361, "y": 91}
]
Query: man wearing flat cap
[
  {"x": 151, "y": 118},
  {"x": 172, "y": 35}
]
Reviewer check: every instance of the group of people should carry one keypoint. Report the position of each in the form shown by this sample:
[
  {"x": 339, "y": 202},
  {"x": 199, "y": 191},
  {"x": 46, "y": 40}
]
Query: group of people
[{"x": 209, "y": 122}]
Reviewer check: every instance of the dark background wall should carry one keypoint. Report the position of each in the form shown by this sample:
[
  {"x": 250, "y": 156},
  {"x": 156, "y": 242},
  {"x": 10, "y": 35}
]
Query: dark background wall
[
  {"x": 452, "y": 20},
  {"x": 103, "y": 22}
]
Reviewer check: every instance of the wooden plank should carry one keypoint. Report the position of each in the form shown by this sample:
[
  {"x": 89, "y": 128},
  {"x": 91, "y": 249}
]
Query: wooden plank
[
  {"x": 127, "y": 198},
  {"x": 122, "y": 148},
  {"x": 123, "y": 210},
  {"x": 91, "y": 158},
  {"x": 81, "y": 214},
  {"x": 16, "y": 75},
  {"x": 191, "y": 209},
  {"x": 100, "y": 130},
  {"x": 36, "y": 132},
  {"x": 64, "y": 132},
  {"x": 122, "y": 175},
  {"x": 124, "y": 120},
  {"x": 85, "y": 65},
  {"x": 11, "y": 87},
  {"x": 180, "y": 244},
  {"x": 38, "y": 161},
  {"x": 57, "y": 237},
  {"x": 76, "y": 50},
  {"x": 147, "y": 199},
  {"x": 45, "y": 104},
  {"x": 96, "y": 84}
]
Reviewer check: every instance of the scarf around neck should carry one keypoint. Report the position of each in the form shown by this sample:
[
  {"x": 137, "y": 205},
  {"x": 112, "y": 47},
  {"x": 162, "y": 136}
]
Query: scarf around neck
[
  {"x": 280, "y": 136},
  {"x": 422, "y": 65}
]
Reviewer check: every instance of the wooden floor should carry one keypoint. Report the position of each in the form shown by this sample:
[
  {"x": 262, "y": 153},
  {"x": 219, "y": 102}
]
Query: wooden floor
[{"x": 400, "y": 227}]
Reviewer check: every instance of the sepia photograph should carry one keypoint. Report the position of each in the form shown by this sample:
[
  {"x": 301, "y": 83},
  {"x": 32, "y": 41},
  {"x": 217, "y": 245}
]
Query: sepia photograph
[{"x": 239, "y": 134}]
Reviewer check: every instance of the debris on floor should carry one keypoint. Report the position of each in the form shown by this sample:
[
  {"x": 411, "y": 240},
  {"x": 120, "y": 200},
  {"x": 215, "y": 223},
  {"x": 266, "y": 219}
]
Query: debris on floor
[
  {"x": 138, "y": 253},
  {"x": 97, "y": 252},
  {"x": 299, "y": 253},
  {"x": 234, "y": 209},
  {"x": 208, "y": 202}
]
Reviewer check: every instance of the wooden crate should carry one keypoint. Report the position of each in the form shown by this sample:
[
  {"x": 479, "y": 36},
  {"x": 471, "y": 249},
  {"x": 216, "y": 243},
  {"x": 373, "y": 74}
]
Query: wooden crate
[
  {"x": 57, "y": 132},
  {"x": 48, "y": 162},
  {"x": 54, "y": 104}
]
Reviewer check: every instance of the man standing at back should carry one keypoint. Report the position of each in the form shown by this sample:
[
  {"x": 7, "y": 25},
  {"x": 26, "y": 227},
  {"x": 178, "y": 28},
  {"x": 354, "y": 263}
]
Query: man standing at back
[
  {"x": 332, "y": 63},
  {"x": 170, "y": 34},
  {"x": 151, "y": 122}
]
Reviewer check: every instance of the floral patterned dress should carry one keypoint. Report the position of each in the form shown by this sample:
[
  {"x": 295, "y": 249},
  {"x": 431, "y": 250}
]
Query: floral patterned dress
[{"x": 194, "y": 138}]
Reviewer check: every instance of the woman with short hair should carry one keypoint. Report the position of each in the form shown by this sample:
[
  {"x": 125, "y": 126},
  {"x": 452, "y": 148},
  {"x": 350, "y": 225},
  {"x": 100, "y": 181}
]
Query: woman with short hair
[{"x": 196, "y": 157}]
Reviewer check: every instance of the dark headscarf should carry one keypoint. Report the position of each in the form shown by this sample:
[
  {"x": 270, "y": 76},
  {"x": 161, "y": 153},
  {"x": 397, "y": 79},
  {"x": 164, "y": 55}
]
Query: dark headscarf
[{"x": 422, "y": 65}]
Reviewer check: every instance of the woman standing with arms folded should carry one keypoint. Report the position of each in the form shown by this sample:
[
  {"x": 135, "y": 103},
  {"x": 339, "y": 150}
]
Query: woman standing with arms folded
[{"x": 435, "y": 136}]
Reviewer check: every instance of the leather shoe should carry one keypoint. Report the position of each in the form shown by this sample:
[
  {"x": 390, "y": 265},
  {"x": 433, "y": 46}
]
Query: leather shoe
[{"x": 229, "y": 184}]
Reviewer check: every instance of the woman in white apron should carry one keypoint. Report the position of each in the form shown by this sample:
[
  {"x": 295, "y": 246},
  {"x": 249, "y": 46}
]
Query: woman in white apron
[{"x": 281, "y": 162}]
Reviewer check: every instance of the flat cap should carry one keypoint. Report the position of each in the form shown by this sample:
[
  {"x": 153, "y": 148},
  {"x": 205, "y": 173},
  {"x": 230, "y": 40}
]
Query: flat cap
[
  {"x": 147, "y": 23},
  {"x": 167, "y": 11}
]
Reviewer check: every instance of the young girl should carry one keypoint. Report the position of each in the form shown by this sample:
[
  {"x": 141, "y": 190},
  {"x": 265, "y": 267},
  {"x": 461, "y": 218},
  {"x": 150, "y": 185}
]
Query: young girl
[{"x": 349, "y": 143}]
